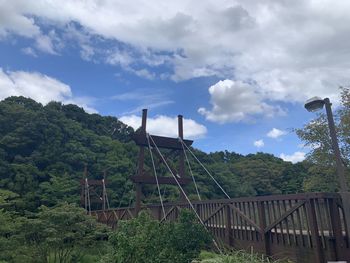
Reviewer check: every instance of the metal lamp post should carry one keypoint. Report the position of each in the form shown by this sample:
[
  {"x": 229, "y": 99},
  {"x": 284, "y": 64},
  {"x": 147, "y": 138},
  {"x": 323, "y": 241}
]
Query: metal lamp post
[{"x": 315, "y": 104}]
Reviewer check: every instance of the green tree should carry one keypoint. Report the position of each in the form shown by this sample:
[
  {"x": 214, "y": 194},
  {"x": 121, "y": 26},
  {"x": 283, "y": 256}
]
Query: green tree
[
  {"x": 61, "y": 234},
  {"x": 315, "y": 134},
  {"x": 143, "y": 240},
  {"x": 8, "y": 243}
]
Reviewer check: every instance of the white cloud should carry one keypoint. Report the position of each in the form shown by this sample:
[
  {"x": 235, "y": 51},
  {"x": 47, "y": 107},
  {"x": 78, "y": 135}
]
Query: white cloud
[
  {"x": 234, "y": 101},
  {"x": 290, "y": 50},
  {"x": 144, "y": 73},
  {"x": 12, "y": 20},
  {"x": 294, "y": 158},
  {"x": 45, "y": 44},
  {"x": 145, "y": 98},
  {"x": 275, "y": 133},
  {"x": 39, "y": 87},
  {"x": 29, "y": 51},
  {"x": 259, "y": 143},
  {"x": 167, "y": 126}
]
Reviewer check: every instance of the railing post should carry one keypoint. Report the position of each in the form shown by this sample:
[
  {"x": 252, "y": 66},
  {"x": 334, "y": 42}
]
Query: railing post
[
  {"x": 262, "y": 222},
  {"x": 339, "y": 243},
  {"x": 198, "y": 210},
  {"x": 228, "y": 229},
  {"x": 176, "y": 212},
  {"x": 316, "y": 242}
]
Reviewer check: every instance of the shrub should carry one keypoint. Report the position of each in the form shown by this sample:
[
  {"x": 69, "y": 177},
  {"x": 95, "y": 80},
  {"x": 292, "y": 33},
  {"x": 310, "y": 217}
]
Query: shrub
[
  {"x": 144, "y": 240},
  {"x": 235, "y": 257}
]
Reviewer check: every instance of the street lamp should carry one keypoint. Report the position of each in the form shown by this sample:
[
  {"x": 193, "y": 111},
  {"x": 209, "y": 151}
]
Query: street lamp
[{"x": 315, "y": 104}]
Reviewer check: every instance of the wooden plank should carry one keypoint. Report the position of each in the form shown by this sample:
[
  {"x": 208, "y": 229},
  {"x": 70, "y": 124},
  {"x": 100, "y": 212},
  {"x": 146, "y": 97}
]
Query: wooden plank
[
  {"x": 283, "y": 216},
  {"x": 92, "y": 182},
  {"x": 161, "y": 180},
  {"x": 267, "y": 198},
  {"x": 316, "y": 242},
  {"x": 167, "y": 214},
  {"x": 214, "y": 213},
  {"x": 161, "y": 141},
  {"x": 245, "y": 217},
  {"x": 336, "y": 229},
  {"x": 264, "y": 235}
]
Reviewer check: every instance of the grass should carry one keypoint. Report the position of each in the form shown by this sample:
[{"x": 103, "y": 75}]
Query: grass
[{"x": 235, "y": 257}]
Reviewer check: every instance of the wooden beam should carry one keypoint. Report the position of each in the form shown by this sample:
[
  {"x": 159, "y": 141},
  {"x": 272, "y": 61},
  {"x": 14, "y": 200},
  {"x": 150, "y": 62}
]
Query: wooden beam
[
  {"x": 161, "y": 142},
  {"x": 92, "y": 182},
  {"x": 161, "y": 180},
  {"x": 284, "y": 216}
]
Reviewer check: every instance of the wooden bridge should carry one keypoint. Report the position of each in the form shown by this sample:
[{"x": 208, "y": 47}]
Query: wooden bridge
[{"x": 306, "y": 228}]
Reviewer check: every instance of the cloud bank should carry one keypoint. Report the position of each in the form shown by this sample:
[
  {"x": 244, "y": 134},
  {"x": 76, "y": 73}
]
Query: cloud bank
[
  {"x": 167, "y": 126},
  {"x": 268, "y": 52},
  {"x": 259, "y": 143},
  {"x": 294, "y": 158},
  {"x": 39, "y": 87},
  {"x": 276, "y": 133}
]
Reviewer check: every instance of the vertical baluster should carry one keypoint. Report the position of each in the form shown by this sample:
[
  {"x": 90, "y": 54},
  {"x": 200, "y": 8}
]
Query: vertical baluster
[
  {"x": 236, "y": 225},
  {"x": 280, "y": 224},
  {"x": 320, "y": 221},
  {"x": 262, "y": 220},
  {"x": 314, "y": 230},
  {"x": 250, "y": 216},
  {"x": 241, "y": 205},
  {"x": 246, "y": 236},
  {"x": 336, "y": 229},
  {"x": 293, "y": 222},
  {"x": 305, "y": 217},
  {"x": 274, "y": 209},
  {"x": 286, "y": 221},
  {"x": 269, "y": 219},
  {"x": 255, "y": 211},
  {"x": 300, "y": 224}
]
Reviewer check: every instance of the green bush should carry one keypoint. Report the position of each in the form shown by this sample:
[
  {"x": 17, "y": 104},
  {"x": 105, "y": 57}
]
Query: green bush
[
  {"x": 235, "y": 257},
  {"x": 64, "y": 234},
  {"x": 143, "y": 240}
]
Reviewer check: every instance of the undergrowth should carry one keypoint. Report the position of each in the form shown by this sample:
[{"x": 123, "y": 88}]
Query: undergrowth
[{"x": 234, "y": 257}]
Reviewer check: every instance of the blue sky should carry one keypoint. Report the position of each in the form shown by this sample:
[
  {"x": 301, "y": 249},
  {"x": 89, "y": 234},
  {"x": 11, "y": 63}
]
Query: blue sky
[{"x": 239, "y": 71}]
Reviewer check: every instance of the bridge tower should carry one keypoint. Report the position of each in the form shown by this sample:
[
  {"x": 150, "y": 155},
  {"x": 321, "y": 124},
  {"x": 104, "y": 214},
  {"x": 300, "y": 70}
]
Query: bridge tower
[
  {"x": 142, "y": 176},
  {"x": 93, "y": 192}
]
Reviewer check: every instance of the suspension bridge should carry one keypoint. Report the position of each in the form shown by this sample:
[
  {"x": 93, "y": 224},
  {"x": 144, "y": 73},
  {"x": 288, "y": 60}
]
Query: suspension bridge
[{"x": 306, "y": 228}]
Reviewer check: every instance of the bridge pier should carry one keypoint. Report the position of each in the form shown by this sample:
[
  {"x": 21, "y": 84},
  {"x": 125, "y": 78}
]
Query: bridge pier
[{"x": 144, "y": 140}]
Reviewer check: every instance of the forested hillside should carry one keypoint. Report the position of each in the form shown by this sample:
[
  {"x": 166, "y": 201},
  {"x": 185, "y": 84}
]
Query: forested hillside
[{"x": 43, "y": 151}]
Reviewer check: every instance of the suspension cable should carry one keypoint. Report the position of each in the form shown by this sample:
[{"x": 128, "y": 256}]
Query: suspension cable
[
  {"x": 88, "y": 195},
  {"x": 130, "y": 199},
  {"x": 105, "y": 196},
  {"x": 85, "y": 195},
  {"x": 183, "y": 192},
  {"x": 212, "y": 177},
  {"x": 155, "y": 173},
  {"x": 189, "y": 167}
]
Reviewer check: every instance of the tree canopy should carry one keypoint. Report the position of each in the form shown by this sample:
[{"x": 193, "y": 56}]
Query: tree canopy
[{"x": 43, "y": 151}]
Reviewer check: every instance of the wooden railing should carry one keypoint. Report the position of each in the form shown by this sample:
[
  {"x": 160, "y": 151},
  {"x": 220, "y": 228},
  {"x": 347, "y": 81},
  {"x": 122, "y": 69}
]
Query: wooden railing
[{"x": 302, "y": 227}]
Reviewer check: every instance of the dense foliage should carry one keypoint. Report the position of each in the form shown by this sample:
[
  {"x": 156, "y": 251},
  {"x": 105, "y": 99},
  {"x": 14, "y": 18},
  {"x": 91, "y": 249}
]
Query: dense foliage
[
  {"x": 60, "y": 234},
  {"x": 144, "y": 240},
  {"x": 43, "y": 150}
]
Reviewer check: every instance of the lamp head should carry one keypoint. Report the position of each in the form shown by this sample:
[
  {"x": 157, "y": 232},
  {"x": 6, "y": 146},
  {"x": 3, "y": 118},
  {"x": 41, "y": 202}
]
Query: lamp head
[{"x": 314, "y": 104}]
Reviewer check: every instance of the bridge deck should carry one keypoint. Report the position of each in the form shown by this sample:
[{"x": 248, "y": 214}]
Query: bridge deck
[{"x": 303, "y": 227}]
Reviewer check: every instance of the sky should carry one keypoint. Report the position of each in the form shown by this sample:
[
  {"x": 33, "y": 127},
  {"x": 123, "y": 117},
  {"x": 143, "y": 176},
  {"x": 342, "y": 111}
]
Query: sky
[{"x": 239, "y": 71}]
